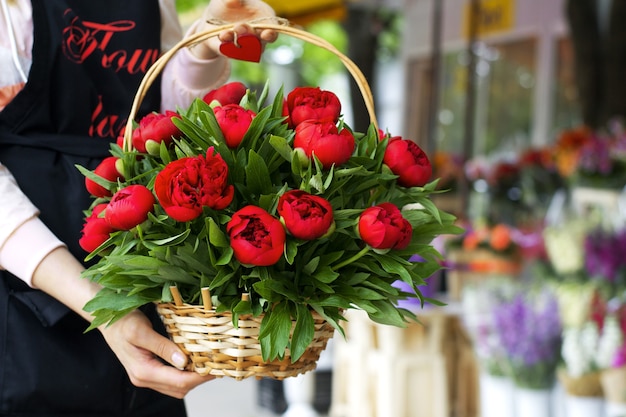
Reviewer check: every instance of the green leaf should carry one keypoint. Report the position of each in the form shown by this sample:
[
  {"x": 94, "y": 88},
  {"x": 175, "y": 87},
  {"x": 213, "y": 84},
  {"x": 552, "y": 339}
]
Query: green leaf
[
  {"x": 96, "y": 178},
  {"x": 357, "y": 278},
  {"x": 326, "y": 275},
  {"x": 242, "y": 307},
  {"x": 107, "y": 299},
  {"x": 173, "y": 240},
  {"x": 256, "y": 129},
  {"x": 311, "y": 266},
  {"x": 386, "y": 313},
  {"x": 281, "y": 146},
  {"x": 177, "y": 274},
  {"x": 368, "y": 294},
  {"x": 257, "y": 175},
  {"x": 303, "y": 332},
  {"x": 221, "y": 279},
  {"x": 210, "y": 122},
  {"x": 291, "y": 250},
  {"x": 194, "y": 260},
  {"x": 274, "y": 332},
  {"x": 226, "y": 257},
  {"x": 279, "y": 101},
  {"x": 216, "y": 236},
  {"x": 136, "y": 262},
  {"x": 394, "y": 266}
]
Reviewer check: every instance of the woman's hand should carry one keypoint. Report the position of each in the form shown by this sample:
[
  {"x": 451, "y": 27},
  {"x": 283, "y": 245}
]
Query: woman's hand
[
  {"x": 138, "y": 347},
  {"x": 132, "y": 338},
  {"x": 233, "y": 11}
]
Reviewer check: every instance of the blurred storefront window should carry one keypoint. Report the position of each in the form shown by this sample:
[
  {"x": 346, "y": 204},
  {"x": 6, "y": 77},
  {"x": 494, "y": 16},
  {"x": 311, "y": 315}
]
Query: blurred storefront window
[{"x": 504, "y": 92}]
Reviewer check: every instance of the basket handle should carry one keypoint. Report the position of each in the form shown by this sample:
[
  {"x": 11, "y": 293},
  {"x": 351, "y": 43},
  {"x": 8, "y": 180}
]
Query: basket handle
[{"x": 156, "y": 68}]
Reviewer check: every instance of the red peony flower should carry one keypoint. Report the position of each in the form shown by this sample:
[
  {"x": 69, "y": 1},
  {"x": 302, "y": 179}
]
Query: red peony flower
[
  {"x": 230, "y": 93},
  {"x": 234, "y": 121},
  {"x": 305, "y": 216},
  {"x": 96, "y": 230},
  {"x": 107, "y": 170},
  {"x": 184, "y": 186},
  {"x": 323, "y": 140},
  {"x": 129, "y": 207},
  {"x": 409, "y": 162},
  {"x": 256, "y": 237},
  {"x": 312, "y": 103},
  {"x": 383, "y": 227},
  {"x": 154, "y": 129}
]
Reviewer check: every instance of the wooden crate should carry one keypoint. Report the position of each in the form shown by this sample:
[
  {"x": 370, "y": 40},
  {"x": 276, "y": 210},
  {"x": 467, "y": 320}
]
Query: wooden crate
[{"x": 424, "y": 370}]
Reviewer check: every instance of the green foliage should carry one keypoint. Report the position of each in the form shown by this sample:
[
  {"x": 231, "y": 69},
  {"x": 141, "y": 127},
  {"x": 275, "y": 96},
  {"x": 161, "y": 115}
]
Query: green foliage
[{"x": 326, "y": 275}]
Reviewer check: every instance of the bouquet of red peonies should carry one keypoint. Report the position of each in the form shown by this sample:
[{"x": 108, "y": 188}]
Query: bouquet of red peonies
[{"x": 263, "y": 208}]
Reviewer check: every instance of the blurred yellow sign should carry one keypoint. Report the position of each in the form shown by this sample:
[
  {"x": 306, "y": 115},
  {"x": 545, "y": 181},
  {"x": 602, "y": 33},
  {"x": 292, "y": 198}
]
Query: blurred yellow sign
[
  {"x": 494, "y": 16},
  {"x": 306, "y": 11}
]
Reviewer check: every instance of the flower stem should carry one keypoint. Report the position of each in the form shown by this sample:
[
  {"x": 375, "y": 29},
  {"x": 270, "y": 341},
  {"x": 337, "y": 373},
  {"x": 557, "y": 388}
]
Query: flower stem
[{"x": 356, "y": 257}]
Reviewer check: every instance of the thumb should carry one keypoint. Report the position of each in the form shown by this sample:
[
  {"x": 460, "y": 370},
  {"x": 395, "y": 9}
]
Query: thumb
[{"x": 165, "y": 349}]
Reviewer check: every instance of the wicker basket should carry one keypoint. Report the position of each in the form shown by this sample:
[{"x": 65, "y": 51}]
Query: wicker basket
[
  {"x": 588, "y": 385},
  {"x": 213, "y": 343},
  {"x": 216, "y": 347}
]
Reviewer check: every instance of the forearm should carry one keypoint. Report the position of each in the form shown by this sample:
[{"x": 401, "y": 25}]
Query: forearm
[{"x": 59, "y": 275}]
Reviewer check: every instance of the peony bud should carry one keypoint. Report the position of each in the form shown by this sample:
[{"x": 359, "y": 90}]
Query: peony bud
[
  {"x": 155, "y": 127},
  {"x": 107, "y": 169},
  {"x": 230, "y": 93},
  {"x": 407, "y": 160},
  {"x": 96, "y": 230},
  {"x": 129, "y": 207},
  {"x": 324, "y": 141},
  {"x": 383, "y": 227},
  {"x": 234, "y": 122}
]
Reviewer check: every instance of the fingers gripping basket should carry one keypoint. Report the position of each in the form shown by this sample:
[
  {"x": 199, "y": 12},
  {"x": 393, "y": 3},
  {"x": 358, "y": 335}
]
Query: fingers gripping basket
[{"x": 215, "y": 345}]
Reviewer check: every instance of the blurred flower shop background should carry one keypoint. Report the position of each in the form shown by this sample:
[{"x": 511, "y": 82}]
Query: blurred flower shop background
[{"x": 520, "y": 106}]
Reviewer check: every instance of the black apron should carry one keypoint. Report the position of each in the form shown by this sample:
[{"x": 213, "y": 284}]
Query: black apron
[{"x": 88, "y": 59}]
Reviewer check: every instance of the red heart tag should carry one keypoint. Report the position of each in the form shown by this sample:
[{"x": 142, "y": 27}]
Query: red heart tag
[{"x": 247, "y": 48}]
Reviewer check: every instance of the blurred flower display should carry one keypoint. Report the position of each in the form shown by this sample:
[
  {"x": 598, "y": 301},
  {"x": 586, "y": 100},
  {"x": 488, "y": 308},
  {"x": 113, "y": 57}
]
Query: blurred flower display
[
  {"x": 518, "y": 187},
  {"x": 592, "y": 158}
]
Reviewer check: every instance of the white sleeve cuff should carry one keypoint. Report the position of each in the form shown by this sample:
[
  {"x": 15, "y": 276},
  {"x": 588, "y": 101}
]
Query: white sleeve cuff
[{"x": 24, "y": 250}]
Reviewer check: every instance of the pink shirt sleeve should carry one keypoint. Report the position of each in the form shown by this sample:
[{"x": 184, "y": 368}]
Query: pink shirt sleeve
[
  {"x": 24, "y": 239},
  {"x": 186, "y": 77}
]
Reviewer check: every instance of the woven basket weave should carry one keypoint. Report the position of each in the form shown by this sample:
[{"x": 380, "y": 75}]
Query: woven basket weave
[
  {"x": 216, "y": 347},
  {"x": 213, "y": 343}
]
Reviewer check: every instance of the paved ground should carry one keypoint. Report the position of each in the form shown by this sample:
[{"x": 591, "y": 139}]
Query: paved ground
[{"x": 226, "y": 397}]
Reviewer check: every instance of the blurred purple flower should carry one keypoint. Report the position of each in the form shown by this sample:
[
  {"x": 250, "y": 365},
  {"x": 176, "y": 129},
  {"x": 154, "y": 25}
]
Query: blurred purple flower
[
  {"x": 619, "y": 359},
  {"x": 529, "y": 329},
  {"x": 596, "y": 156},
  {"x": 604, "y": 255}
]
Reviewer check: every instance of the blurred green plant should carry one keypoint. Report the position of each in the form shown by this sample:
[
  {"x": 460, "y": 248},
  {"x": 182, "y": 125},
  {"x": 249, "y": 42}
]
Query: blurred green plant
[{"x": 188, "y": 5}]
